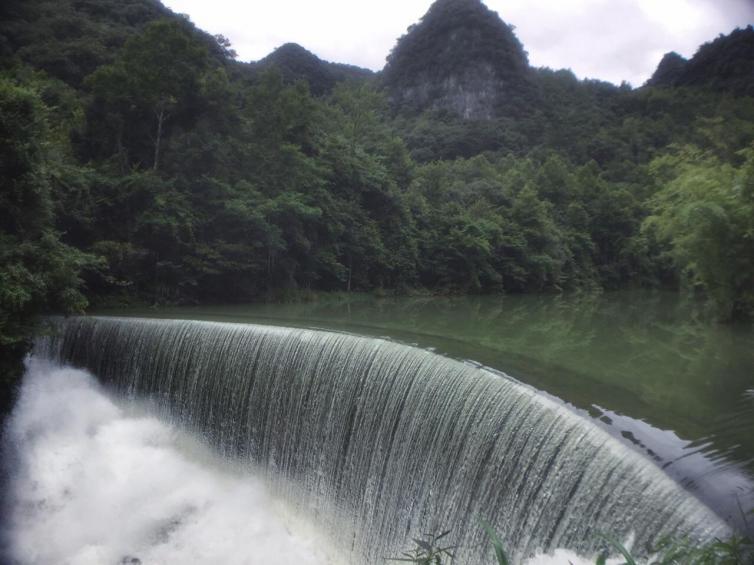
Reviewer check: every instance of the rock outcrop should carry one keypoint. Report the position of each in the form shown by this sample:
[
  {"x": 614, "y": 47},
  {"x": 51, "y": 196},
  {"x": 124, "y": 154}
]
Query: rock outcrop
[{"x": 461, "y": 58}]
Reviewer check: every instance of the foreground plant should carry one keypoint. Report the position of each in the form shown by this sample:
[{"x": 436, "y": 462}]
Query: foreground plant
[
  {"x": 427, "y": 551},
  {"x": 733, "y": 551},
  {"x": 619, "y": 547},
  {"x": 497, "y": 543}
]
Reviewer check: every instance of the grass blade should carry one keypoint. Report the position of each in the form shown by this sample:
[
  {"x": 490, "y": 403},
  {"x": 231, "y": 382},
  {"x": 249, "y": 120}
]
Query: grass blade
[
  {"x": 497, "y": 543},
  {"x": 621, "y": 549}
]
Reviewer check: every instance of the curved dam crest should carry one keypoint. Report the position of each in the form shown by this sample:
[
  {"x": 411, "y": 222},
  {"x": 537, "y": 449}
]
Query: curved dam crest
[{"x": 380, "y": 441}]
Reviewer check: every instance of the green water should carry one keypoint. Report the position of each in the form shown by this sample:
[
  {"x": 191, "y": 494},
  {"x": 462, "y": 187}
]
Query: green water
[{"x": 650, "y": 367}]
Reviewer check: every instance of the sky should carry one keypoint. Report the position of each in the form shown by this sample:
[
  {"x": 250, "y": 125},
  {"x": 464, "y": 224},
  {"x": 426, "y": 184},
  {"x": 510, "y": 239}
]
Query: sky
[{"x": 612, "y": 40}]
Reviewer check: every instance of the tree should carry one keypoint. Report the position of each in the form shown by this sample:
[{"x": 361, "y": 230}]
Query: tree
[
  {"x": 155, "y": 78},
  {"x": 704, "y": 212},
  {"x": 38, "y": 274}
]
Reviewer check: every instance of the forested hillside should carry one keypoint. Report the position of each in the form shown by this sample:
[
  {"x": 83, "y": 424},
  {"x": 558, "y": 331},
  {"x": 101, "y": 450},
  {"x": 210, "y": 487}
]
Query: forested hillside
[
  {"x": 725, "y": 64},
  {"x": 142, "y": 163},
  {"x": 296, "y": 63}
]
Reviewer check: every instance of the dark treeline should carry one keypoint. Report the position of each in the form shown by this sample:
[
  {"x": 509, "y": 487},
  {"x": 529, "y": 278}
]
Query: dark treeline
[{"x": 140, "y": 162}]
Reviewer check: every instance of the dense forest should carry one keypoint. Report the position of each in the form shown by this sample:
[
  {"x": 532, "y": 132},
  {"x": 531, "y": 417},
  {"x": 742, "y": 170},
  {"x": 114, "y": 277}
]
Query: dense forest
[{"x": 140, "y": 162}]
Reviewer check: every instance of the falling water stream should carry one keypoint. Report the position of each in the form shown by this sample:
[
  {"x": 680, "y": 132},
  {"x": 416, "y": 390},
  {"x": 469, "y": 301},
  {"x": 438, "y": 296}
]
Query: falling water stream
[
  {"x": 98, "y": 481},
  {"x": 376, "y": 442}
]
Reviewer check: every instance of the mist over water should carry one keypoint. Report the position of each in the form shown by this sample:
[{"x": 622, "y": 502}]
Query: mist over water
[{"x": 95, "y": 482}]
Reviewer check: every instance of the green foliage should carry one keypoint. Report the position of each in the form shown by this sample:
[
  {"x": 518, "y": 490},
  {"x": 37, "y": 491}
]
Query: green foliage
[
  {"x": 669, "y": 70},
  {"x": 497, "y": 543},
  {"x": 428, "y": 551},
  {"x": 704, "y": 211},
  {"x": 726, "y": 64},
  {"x": 153, "y": 80},
  {"x": 79, "y": 35},
  {"x": 452, "y": 37},
  {"x": 70, "y": 39},
  {"x": 670, "y": 551},
  {"x": 618, "y": 547},
  {"x": 296, "y": 63},
  {"x": 38, "y": 273},
  {"x": 733, "y": 551}
]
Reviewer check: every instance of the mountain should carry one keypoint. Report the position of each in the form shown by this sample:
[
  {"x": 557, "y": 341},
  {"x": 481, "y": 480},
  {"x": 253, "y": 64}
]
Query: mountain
[
  {"x": 297, "y": 63},
  {"x": 82, "y": 35},
  {"x": 669, "y": 70},
  {"x": 725, "y": 64},
  {"x": 461, "y": 58},
  {"x": 69, "y": 39}
]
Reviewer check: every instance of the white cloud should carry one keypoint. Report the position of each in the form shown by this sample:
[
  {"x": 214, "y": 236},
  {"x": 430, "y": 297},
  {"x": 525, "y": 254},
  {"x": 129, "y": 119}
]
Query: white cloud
[{"x": 608, "y": 39}]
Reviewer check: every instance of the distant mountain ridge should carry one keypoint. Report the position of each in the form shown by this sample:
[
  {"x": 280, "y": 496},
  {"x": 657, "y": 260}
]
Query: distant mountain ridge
[
  {"x": 461, "y": 58},
  {"x": 670, "y": 69},
  {"x": 295, "y": 62},
  {"x": 724, "y": 64},
  {"x": 81, "y": 35}
]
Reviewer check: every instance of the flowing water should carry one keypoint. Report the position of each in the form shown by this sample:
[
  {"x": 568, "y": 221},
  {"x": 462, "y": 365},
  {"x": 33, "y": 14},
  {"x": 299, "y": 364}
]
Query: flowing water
[
  {"x": 95, "y": 481},
  {"x": 99, "y": 480},
  {"x": 652, "y": 369},
  {"x": 374, "y": 441}
]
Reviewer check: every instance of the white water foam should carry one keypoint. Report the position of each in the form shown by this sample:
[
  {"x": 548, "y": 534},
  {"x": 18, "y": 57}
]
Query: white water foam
[{"x": 95, "y": 483}]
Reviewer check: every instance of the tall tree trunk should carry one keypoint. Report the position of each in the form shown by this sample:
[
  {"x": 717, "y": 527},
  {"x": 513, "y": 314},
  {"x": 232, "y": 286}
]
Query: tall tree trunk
[
  {"x": 350, "y": 271},
  {"x": 160, "y": 121},
  {"x": 122, "y": 157}
]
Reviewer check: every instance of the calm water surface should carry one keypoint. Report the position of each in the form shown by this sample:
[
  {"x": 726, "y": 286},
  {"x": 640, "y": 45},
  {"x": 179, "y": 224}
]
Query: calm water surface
[{"x": 651, "y": 368}]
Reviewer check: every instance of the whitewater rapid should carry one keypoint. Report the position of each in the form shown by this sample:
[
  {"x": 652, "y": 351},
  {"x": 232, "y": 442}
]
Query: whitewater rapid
[
  {"x": 96, "y": 482},
  {"x": 377, "y": 442}
]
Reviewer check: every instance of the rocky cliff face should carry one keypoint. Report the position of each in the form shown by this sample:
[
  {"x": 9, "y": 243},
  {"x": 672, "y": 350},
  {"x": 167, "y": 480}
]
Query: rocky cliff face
[
  {"x": 471, "y": 93},
  {"x": 461, "y": 58}
]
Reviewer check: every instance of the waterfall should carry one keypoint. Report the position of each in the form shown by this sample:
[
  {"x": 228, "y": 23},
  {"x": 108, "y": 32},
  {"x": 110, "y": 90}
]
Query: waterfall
[{"x": 379, "y": 441}]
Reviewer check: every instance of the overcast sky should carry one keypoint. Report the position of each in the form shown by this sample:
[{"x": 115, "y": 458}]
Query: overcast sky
[{"x": 612, "y": 40}]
